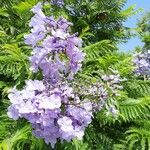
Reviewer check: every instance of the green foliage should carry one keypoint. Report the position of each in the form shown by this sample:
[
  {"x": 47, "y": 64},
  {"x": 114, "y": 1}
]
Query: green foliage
[
  {"x": 139, "y": 137},
  {"x": 137, "y": 88},
  {"x": 13, "y": 63},
  {"x": 144, "y": 30},
  {"x": 98, "y": 49},
  {"x": 103, "y": 18},
  {"x": 99, "y": 22},
  {"x": 22, "y": 139}
]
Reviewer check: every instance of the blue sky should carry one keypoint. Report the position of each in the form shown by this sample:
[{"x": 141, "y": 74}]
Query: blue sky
[{"x": 131, "y": 22}]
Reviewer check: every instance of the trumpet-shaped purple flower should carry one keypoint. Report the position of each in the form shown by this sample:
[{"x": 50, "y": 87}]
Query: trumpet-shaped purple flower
[
  {"x": 51, "y": 110},
  {"x": 55, "y": 51}
]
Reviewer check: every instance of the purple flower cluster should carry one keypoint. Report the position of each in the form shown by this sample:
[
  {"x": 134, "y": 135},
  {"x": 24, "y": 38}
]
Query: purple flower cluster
[
  {"x": 142, "y": 63},
  {"x": 98, "y": 94},
  {"x": 55, "y": 51},
  {"x": 51, "y": 105},
  {"x": 54, "y": 112},
  {"x": 113, "y": 83},
  {"x": 56, "y": 108},
  {"x": 58, "y": 3}
]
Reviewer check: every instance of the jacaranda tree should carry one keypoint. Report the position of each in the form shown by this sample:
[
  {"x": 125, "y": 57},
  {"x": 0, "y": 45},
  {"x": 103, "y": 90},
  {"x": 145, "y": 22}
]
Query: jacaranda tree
[{"x": 64, "y": 85}]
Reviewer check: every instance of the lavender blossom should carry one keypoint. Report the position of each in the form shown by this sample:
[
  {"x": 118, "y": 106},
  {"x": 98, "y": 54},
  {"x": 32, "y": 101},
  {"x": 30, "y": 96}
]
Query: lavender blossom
[
  {"x": 113, "y": 83},
  {"x": 55, "y": 51},
  {"x": 142, "y": 63},
  {"x": 42, "y": 105},
  {"x": 57, "y": 107}
]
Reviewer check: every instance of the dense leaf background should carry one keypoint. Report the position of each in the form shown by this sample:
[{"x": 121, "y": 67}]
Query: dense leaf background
[{"x": 100, "y": 24}]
